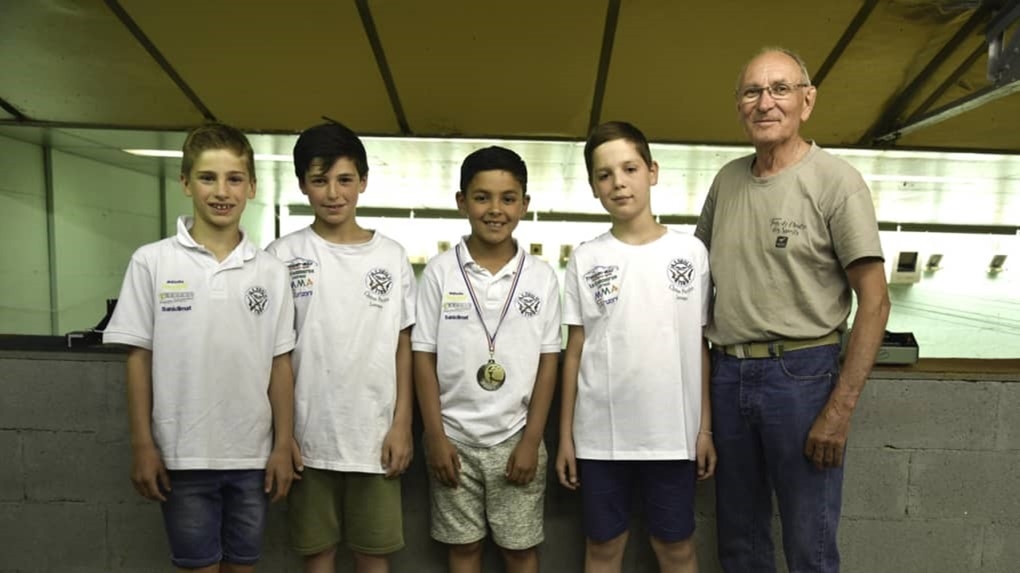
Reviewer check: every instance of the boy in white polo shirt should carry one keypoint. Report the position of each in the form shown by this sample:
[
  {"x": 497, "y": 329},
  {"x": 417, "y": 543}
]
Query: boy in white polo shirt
[
  {"x": 486, "y": 346},
  {"x": 354, "y": 293},
  {"x": 209, "y": 319},
  {"x": 635, "y": 408}
]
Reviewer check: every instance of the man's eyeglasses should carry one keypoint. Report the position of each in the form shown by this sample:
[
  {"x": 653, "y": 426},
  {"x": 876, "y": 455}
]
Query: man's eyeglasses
[{"x": 778, "y": 90}]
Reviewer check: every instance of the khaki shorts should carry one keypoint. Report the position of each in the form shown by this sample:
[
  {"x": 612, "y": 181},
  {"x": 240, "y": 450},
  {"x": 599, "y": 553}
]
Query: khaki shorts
[
  {"x": 325, "y": 507},
  {"x": 486, "y": 500}
]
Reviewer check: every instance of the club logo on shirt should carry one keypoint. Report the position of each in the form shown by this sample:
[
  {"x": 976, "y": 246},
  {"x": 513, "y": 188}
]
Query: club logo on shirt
[
  {"x": 379, "y": 283},
  {"x": 174, "y": 296},
  {"x": 257, "y": 299},
  {"x": 681, "y": 276},
  {"x": 604, "y": 283},
  {"x": 302, "y": 276},
  {"x": 528, "y": 304}
]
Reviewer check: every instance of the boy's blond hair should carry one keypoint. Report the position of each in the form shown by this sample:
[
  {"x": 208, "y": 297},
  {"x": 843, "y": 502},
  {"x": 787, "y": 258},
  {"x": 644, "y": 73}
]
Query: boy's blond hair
[{"x": 216, "y": 136}]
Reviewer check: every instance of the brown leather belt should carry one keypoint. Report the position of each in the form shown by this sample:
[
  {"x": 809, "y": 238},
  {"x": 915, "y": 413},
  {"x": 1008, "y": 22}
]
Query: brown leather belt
[{"x": 776, "y": 348}]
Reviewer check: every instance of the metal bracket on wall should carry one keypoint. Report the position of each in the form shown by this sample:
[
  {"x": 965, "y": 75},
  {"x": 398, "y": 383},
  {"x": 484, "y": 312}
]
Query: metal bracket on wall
[{"x": 1003, "y": 58}]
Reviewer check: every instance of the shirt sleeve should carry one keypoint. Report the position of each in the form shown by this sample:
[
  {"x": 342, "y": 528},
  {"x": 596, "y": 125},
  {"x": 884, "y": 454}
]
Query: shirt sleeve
[
  {"x": 703, "y": 230},
  {"x": 133, "y": 318},
  {"x": 853, "y": 224},
  {"x": 552, "y": 340},
  {"x": 286, "y": 336},
  {"x": 409, "y": 288},
  {"x": 571, "y": 297},
  {"x": 428, "y": 300}
]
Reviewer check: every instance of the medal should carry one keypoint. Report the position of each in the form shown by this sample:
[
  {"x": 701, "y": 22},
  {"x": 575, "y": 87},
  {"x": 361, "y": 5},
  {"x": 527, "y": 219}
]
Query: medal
[{"x": 491, "y": 375}]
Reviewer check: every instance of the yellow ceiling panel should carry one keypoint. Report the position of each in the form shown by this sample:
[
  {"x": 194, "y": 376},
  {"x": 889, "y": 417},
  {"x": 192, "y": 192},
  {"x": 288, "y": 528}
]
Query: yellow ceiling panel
[
  {"x": 993, "y": 126},
  {"x": 675, "y": 64},
  {"x": 894, "y": 45},
  {"x": 75, "y": 62},
  {"x": 272, "y": 65},
  {"x": 526, "y": 67}
]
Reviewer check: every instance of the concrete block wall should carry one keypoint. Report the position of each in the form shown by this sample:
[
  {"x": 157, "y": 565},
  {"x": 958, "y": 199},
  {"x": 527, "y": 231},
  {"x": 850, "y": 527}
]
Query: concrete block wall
[{"x": 933, "y": 468}]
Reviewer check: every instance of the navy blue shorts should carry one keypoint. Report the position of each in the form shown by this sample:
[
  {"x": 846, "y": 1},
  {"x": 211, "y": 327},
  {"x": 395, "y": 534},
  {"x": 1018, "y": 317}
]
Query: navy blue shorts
[
  {"x": 215, "y": 515},
  {"x": 666, "y": 489}
]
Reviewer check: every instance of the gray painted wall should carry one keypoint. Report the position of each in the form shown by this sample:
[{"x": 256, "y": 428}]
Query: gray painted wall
[{"x": 934, "y": 467}]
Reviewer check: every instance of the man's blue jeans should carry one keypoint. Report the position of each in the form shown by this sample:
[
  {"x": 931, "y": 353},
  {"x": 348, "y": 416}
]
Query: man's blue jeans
[{"x": 762, "y": 410}]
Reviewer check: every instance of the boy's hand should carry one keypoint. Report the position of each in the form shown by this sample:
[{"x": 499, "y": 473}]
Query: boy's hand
[
  {"x": 296, "y": 459},
  {"x": 280, "y": 472},
  {"x": 706, "y": 456},
  {"x": 148, "y": 473},
  {"x": 397, "y": 451},
  {"x": 443, "y": 460},
  {"x": 523, "y": 462},
  {"x": 566, "y": 465}
]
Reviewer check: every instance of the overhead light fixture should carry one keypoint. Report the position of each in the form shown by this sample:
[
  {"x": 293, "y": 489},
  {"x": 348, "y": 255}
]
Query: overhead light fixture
[
  {"x": 933, "y": 262},
  {"x": 995, "y": 266},
  {"x": 170, "y": 153}
]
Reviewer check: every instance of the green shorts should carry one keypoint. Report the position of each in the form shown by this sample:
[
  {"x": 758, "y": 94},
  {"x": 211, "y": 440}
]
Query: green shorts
[
  {"x": 484, "y": 499},
  {"x": 326, "y": 507}
]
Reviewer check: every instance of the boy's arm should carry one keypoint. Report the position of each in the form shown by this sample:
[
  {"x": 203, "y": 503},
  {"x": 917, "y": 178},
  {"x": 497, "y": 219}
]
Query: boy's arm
[
  {"x": 398, "y": 448},
  {"x": 706, "y": 456},
  {"x": 148, "y": 474},
  {"x": 523, "y": 462},
  {"x": 566, "y": 463},
  {"x": 443, "y": 461},
  {"x": 280, "y": 467}
]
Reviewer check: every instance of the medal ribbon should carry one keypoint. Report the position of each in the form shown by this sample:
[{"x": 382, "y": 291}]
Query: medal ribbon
[{"x": 478, "y": 309}]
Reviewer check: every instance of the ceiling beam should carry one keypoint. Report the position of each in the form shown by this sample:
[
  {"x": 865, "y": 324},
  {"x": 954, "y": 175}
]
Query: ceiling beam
[
  {"x": 887, "y": 122},
  {"x": 608, "y": 37},
  {"x": 960, "y": 106},
  {"x": 161, "y": 60},
  {"x": 848, "y": 35},
  {"x": 13, "y": 111},
  {"x": 368, "y": 23},
  {"x": 948, "y": 83}
]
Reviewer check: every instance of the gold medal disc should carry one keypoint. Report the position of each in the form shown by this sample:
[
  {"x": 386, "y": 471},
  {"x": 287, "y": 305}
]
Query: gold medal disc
[{"x": 491, "y": 376}]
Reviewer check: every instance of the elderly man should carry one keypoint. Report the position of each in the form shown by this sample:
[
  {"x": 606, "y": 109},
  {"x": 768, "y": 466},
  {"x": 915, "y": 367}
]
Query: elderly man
[{"x": 791, "y": 231}]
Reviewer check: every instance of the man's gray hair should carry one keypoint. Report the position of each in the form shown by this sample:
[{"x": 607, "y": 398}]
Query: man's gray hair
[{"x": 792, "y": 55}]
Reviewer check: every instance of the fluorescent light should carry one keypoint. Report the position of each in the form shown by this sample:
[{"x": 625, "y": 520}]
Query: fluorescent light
[
  {"x": 925, "y": 179},
  {"x": 177, "y": 154},
  {"x": 154, "y": 152}
]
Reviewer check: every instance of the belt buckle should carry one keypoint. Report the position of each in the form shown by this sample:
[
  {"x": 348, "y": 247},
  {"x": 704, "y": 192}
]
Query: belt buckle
[{"x": 742, "y": 350}]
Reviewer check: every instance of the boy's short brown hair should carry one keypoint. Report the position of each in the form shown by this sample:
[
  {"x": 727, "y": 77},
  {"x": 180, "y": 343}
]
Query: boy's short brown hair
[
  {"x": 611, "y": 131},
  {"x": 216, "y": 136}
]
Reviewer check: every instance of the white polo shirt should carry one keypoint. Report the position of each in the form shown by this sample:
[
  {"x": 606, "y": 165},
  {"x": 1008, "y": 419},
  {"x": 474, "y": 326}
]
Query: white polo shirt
[
  {"x": 213, "y": 328},
  {"x": 448, "y": 326},
  {"x": 642, "y": 308},
  {"x": 352, "y": 302}
]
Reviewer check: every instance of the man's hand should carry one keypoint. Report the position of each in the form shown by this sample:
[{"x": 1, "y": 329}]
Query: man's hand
[
  {"x": 443, "y": 460},
  {"x": 826, "y": 441},
  {"x": 148, "y": 473},
  {"x": 280, "y": 472},
  {"x": 397, "y": 451},
  {"x": 523, "y": 462}
]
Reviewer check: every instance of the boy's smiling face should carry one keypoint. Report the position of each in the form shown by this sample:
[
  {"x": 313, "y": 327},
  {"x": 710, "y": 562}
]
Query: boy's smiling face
[
  {"x": 333, "y": 193},
  {"x": 494, "y": 203},
  {"x": 219, "y": 186}
]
